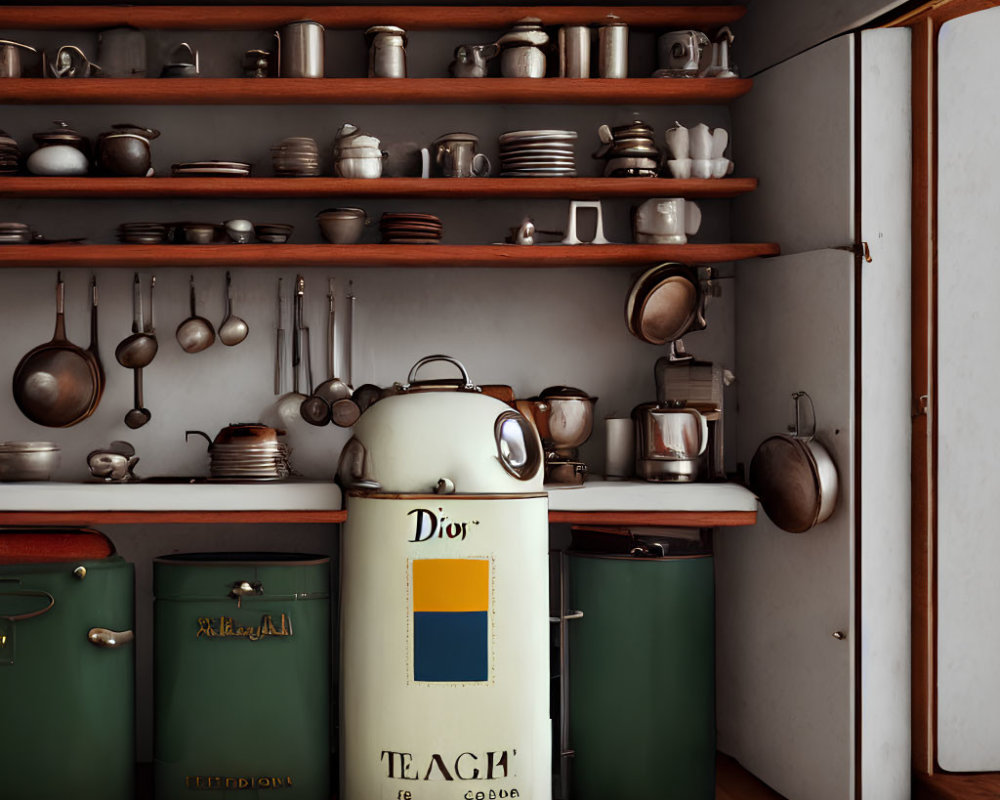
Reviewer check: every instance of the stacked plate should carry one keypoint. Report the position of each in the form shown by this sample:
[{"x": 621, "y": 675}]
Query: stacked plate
[
  {"x": 262, "y": 461},
  {"x": 296, "y": 157},
  {"x": 273, "y": 232},
  {"x": 538, "y": 154},
  {"x": 142, "y": 232},
  {"x": 14, "y": 233},
  {"x": 10, "y": 154},
  {"x": 236, "y": 169},
  {"x": 406, "y": 228}
]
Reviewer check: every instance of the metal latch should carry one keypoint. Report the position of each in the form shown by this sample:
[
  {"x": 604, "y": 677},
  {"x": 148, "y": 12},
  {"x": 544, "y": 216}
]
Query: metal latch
[
  {"x": 243, "y": 588},
  {"x": 859, "y": 249}
]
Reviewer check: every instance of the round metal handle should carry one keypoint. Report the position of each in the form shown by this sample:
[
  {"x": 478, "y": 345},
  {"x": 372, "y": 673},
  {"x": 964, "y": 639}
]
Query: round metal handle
[
  {"x": 411, "y": 378},
  {"x": 103, "y": 637}
]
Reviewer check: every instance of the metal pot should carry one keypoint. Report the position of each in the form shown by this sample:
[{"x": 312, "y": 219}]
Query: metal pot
[
  {"x": 10, "y": 58},
  {"x": 668, "y": 442},
  {"x": 386, "y": 51},
  {"x": 300, "y": 49},
  {"x": 28, "y": 461},
  {"x": 564, "y": 417},
  {"x": 666, "y": 302},
  {"x": 521, "y": 54},
  {"x": 794, "y": 476},
  {"x": 125, "y": 150}
]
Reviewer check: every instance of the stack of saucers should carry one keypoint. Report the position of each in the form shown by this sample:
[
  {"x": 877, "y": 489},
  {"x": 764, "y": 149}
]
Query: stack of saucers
[
  {"x": 296, "y": 157},
  {"x": 538, "y": 154},
  {"x": 142, "y": 232},
  {"x": 258, "y": 461},
  {"x": 408, "y": 228},
  {"x": 235, "y": 169},
  {"x": 14, "y": 233},
  {"x": 10, "y": 154},
  {"x": 273, "y": 232}
]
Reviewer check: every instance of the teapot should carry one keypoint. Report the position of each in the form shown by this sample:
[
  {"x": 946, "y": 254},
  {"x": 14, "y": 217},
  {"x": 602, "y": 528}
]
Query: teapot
[
  {"x": 357, "y": 154},
  {"x": 471, "y": 60},
  {"x": 668, "y": 441},
  {"x": 114, "y": 463},
  {"x": 70, "y": 62}
]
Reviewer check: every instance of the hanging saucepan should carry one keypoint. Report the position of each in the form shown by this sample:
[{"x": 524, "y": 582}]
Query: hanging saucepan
[
  {"x": 665, "y": 303},
  {"x": 57, "y": 383},
  {"x": 794, "y": 476}
]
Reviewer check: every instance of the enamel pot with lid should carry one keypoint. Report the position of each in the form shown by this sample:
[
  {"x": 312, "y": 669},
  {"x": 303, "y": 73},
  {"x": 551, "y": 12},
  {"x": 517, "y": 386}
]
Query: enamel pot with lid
[{"x": 794, "y": 476}]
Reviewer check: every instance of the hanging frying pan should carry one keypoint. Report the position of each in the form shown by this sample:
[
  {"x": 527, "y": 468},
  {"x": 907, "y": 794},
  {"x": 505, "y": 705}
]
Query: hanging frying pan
[
  {"x": 665, "y": 303},
  {"x": 57, "y": 383},
  {"x": 794, "y": 476}
]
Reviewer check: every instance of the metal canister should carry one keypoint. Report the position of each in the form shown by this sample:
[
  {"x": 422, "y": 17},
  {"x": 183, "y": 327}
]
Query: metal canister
[
  {"x": 444, "y": 601},
  {"x": 242, "y": 680},
  {"x": 300, "y": 49},
  {"x": 386, "y": 51},
  {"x": 67, "y": 669},
  {"x": 574, "y": 51},
  {"x": 642, "y": 676},
  {"x": 613, "y": 50}
]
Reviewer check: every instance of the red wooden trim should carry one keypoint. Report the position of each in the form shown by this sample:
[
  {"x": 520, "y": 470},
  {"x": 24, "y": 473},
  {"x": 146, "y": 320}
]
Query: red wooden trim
[
  {"x": 371, "y": 255},
  {"x": 93, "y": 518},
  {"x": 347, "y": 17},
  {"x": 369, "y": 91},
  {"x": 950, "y": 786},
  {"x": 566, "y": 188}
]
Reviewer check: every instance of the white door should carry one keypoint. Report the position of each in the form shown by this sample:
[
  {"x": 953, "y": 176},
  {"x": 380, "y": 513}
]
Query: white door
[
  {"x": 811, "y": 624},
  {"x": 968, "y": 648}
]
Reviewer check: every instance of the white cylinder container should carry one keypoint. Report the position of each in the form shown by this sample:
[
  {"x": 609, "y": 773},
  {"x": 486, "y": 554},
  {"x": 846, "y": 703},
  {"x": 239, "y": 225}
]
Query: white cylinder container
[{"x": 444, "y": 647}]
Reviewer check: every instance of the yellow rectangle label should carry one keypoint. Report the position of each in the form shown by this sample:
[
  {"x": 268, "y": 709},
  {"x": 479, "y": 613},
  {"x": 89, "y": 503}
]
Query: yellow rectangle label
[{"x": 451, "y": 584}]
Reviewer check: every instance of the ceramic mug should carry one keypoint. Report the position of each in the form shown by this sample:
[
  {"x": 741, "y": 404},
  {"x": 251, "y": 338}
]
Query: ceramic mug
[{"x": 666, "y": 220}]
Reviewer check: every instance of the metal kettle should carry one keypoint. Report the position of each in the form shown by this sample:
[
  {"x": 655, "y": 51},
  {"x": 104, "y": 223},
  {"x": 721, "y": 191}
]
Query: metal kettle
[
  {"x": 10, "y": 57},
  {"x": 668, "y": 441}
]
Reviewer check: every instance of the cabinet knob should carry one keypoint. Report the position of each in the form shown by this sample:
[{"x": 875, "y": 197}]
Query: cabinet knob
[{"x": 839, "y": 635}]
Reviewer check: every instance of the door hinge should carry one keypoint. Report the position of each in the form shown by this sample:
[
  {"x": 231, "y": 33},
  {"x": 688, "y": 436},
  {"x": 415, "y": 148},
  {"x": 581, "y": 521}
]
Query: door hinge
[{"x": 859, "y": 249}]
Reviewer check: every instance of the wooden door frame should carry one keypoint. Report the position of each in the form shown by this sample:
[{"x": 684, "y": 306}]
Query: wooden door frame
[{"x": 925, "y": 22}]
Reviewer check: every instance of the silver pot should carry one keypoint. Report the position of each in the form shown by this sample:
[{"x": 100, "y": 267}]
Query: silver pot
[
  {"x": 386, "y": 51},
  {"x": 300, "y": 49},
  {"x": 668, "y": 442},
  {"x": 364, "y": 166},
  {"x": 10, "y": 58},
  {"x": 28, "y": 461},
  {"x": 565, "y": 419}
]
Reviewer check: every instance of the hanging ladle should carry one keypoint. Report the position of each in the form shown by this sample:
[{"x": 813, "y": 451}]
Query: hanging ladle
[
  {"x": 195, "y": 333},
  {"x": 318, "y": 408},
  {"x": 137, "y": 351},
  {"x": 233, "y": 330}
]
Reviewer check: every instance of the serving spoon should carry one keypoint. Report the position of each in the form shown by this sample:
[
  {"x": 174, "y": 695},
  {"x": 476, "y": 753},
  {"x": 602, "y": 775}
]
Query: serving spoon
[{"x": 233, "y": 330}]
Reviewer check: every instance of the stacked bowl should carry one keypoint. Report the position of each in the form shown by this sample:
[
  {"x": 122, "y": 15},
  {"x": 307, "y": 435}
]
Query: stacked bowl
[
  {"x": 10, "y": 154},
  {"x": 296, "y": 157}
]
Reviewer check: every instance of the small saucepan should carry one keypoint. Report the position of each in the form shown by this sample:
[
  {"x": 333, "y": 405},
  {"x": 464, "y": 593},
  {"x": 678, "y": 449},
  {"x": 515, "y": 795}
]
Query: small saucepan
[{"x": 794, "y": 476}]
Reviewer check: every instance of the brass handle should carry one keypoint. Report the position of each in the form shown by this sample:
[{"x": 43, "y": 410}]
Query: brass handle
[
  {"x": 102, "y": 637},
  {"x": 242, "y": 588}
]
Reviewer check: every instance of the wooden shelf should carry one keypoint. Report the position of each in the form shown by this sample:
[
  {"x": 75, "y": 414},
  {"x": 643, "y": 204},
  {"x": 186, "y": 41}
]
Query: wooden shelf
[
  {"x": 131, "y": 256},
  {"x": 357, "y": 17},
  {"x": 370, "y": 91},
  {"x": 566, "y": 188}
]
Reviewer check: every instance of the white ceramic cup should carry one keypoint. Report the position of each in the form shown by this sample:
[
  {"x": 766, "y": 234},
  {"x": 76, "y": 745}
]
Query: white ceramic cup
[
  {"x": 680, "y": 167},
  {"x": 701, "y": 167},
  {"x": 700, "y": 141},
  {"x": 669, "y": 220}
]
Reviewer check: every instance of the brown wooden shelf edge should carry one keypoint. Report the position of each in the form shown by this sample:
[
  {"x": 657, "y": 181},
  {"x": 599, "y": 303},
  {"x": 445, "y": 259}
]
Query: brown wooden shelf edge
[
  {"x": 370, "y": 91},
  {"x": 373, "y": 255},
  {"x": 568, "y": 188},
  {"x": 686, "y": 519},
  {"x": 196, "y": 17},
  {"x": 957, "y": 786}
]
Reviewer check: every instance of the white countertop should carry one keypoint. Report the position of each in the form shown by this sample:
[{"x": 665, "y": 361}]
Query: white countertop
[
  {"x": 598, "y": 494},
  {"x": 595, "y": 495}
]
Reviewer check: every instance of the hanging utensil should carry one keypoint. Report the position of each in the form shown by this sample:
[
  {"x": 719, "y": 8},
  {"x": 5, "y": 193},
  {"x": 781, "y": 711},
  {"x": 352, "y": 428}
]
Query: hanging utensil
[
  {"x": 279, "y": 348},
  {"x": 195, "y": 333},
  {"x": 233, "y": 330},
  {"x": 92, "y": 350},
  {"x": 138, "y": 349},
  {"x": 286, "y": 409},
  {"x": 332, "y": 398},
  {"x": 794, "y": 476},
  {"x": 56, "y": 383},
  {"x": 137, "y": 416}
]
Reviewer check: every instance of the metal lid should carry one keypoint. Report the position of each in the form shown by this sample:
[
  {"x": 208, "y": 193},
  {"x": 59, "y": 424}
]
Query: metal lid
[{"x": 62, "y": 134}]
